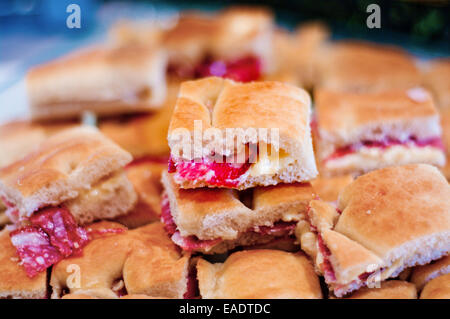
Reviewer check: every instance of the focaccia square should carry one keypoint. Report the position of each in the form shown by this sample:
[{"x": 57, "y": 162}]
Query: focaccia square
[
  {"x": 360, "y": 132},
  {"x": 386, "y": 221},
  {"x": 120, "y": 262},
  {"x": 267, "y": 124},
  {"x": 72, "y": 178},
  {"x": 102, "y": 80},
  {"x": 357, "y": 66},
  {"x": 259, "y": 274},
  {"x": 78, "y": 167}
]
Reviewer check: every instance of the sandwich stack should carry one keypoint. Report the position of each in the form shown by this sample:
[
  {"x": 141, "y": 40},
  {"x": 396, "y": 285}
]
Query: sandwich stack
[{"x": 215, "y": 206}]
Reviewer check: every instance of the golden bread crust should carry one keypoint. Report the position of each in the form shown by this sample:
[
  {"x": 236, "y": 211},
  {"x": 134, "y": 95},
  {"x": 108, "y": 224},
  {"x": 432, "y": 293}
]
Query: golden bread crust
[
  {"x": 145, "y": 259},
  {"x": 438, "y": 288},
  {"x": 390, "y": 219},
  {"x": 391, "y": 207},
  {"x": 392, "y": 289},
  {"x": 339, "y": 112},
  {"x": 423, "y": 274},
  {"x": 269, "y": 274},
  {"x": 223, "y": 103},
  {"x": 245, "y": 108},
  {"x": 361, "y": 67},
  {"x": 62, "y": 166},
  {"x": 101, "y": 79}
]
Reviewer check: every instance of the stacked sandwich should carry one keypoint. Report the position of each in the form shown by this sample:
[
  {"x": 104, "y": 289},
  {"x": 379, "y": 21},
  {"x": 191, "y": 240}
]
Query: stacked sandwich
[{"x": 241, "y": 188}]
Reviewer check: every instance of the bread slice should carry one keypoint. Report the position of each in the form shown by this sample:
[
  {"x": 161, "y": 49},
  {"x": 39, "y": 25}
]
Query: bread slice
[
  {"x": 270, "y": 115},
  {"x": 102, "y": 80},
  {"x": 392, "y": 289},
  {"x": 14, "y": 282},
  {"x": 358, "y": 66},
  {"x": 78, "y": 167},
  {"x": 269, "y": 274},
  {"x": 423, "y": 274},
  {"x": 139, "y": 261},
  {"x": 390, "y": 219},
  {"x": 438, "y": 288},
  {"x": 227, "y": 219},
  {"x": 360, "y": 132}
]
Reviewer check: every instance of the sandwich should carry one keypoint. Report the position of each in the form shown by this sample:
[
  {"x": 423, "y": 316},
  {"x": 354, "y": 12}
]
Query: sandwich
[
  {"x": 14, "y": 282},
  {"x": 119, "y": 262},
  {"x": 386, "y": 221},
  {"x": 360, "y": 132},
  {"x": 145, "y": 175},
  {"x": 240, "y": 135},
  {"x": 259, "y": 274},
  {"x": 102, "y": 80},
  {"x": 438, "y": 288},
  {"x": 236, "y": 43},
  {"x": 391, "y": 289},
  {"x": 421, "y": 275},
  {"x": 215, "y": 220},
  {"x": 437, "y": 79},
  {"x": 354, "y": 66},
  {"x": 73, "y": 178}
]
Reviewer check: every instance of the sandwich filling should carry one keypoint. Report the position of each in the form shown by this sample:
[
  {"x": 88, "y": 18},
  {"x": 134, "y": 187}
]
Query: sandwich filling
[
  {"x": 193, "y": 243},
  {"x": 210, "y": 172},
  {"x": 326, "y": 267},
  {"x": 192, "y": 290},
  {"x": 47, "y": 237},
  {"x": 385, "y": 143},
  {"x": 230, "y": 173},
  {"x": 245, "y": 69}
]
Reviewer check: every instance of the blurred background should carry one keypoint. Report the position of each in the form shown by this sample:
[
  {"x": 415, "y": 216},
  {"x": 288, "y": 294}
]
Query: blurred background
[{"x": 35, "y": 31}]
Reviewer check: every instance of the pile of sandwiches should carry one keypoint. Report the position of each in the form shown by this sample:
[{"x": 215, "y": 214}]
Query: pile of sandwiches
[{"x": 321, "y": 170}]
